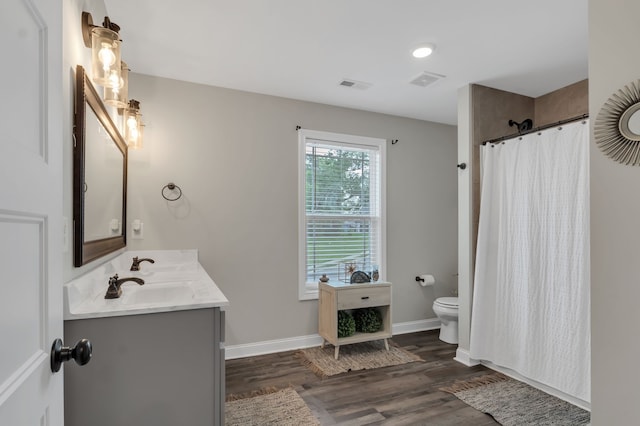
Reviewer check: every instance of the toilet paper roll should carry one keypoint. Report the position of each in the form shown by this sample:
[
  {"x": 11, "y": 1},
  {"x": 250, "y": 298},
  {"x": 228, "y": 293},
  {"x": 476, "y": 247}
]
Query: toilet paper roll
[{"x": 427, "y": 280}]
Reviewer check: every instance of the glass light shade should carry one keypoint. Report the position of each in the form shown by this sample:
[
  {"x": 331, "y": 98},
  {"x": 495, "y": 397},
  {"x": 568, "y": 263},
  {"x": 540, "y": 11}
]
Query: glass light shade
[
  {"x": 117, "y": 96},
  {"x": 132, "y": 124},
  {"x": 105, "y": 57},
  {"x": 137, "y": 144}
]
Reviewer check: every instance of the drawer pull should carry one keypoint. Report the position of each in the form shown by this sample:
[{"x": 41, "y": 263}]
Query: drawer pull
[{"x": 364, "y": 297}]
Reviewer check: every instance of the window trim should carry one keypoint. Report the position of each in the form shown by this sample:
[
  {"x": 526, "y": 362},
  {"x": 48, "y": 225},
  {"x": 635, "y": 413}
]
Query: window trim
[{"x": 309, "y": 291}]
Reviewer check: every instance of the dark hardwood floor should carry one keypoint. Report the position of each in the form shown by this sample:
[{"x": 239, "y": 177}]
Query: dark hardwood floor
[{"x": 401, "y": 395}]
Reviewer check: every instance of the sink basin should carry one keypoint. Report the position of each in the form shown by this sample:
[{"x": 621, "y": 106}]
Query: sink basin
[
  {"x": 176, "y": 281},
  {"x": 168, "y": 275},
  {"x": 169, "y": 267},
  {"x": 177, "y": 293}
]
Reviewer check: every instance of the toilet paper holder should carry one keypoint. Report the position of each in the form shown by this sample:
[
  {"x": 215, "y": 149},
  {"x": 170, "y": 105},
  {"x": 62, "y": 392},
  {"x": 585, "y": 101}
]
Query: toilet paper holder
[{"x": 426, "y": 280}]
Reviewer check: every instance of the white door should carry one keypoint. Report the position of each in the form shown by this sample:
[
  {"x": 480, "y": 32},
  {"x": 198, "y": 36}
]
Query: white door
[{"x": 30, "y": 210}]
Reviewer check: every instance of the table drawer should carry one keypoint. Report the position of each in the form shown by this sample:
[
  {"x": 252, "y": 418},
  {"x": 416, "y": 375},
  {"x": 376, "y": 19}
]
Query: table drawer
[{"x": 363, "y": 297}]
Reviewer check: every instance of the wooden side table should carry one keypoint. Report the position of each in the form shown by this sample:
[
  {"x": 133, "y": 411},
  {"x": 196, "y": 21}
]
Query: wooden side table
[{"x": 334, "y": 297}]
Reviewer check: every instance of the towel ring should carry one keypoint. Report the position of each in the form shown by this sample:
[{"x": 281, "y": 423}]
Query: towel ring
[{"x": 171, "y": 187}]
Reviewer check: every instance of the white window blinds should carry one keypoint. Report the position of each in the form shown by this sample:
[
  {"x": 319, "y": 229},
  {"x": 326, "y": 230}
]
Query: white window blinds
[{"x": 343, "y": 207}]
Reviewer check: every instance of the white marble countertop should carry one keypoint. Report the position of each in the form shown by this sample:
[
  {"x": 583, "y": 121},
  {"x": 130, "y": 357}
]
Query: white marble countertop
[{"x": 175, "y": 282}]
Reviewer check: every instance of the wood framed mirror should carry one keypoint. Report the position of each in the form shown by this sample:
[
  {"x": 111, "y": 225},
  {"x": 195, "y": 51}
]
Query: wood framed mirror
[{"x": 99, "y": 177}]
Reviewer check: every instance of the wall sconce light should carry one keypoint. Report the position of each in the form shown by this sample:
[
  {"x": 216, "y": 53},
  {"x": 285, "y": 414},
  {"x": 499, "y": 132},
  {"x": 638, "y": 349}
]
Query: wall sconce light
[
  {"x": 117, "y": 96},
  {"x": 104, "y": 42},
  {"x": 133, "y": 125}
]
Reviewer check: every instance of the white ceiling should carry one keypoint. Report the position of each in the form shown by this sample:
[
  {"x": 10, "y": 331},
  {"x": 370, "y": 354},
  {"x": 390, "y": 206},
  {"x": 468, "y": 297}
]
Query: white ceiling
[{"x": 302, "y": 49}]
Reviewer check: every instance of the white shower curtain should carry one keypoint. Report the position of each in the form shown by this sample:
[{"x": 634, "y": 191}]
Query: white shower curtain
[{"x": 531, "y": 290}]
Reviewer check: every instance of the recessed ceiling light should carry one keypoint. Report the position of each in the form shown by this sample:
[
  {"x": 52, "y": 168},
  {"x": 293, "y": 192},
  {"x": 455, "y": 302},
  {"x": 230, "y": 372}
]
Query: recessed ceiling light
[{"x": 424, "y": 50}]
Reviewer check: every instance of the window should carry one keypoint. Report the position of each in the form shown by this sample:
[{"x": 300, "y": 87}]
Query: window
[{"x": 341, "y": 207}]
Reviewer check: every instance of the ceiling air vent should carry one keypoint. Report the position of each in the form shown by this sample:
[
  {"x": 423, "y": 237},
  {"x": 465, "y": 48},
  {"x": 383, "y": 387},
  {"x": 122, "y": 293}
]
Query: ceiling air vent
[
  {"x": 353, "y": 84},
  {"x": 426, "y": 79}
]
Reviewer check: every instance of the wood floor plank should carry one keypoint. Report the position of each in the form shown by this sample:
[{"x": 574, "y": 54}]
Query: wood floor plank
[{"x": 399, "y": 395}]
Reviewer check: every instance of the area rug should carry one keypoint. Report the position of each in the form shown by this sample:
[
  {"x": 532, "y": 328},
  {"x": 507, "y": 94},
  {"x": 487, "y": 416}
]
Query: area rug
[
  {"x": 511, "y": 402},
  {"x": 354, "y": 357},
  {"x": 271, "y": 407}
]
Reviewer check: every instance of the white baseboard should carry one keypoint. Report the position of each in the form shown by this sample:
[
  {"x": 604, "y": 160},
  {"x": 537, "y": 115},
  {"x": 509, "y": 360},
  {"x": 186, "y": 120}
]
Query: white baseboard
[
  {"x": 272, "y": 346},
  {"x": 462, "y": 356},
  {"x": 413, "y": 326},
  {"x": 300, "y": 342}
]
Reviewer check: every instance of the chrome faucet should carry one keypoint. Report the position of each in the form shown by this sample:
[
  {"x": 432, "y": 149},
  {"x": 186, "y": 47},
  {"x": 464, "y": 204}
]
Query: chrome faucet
[
  {"x": 114, "y": 291},
  {"x": 135, "y": 266}
]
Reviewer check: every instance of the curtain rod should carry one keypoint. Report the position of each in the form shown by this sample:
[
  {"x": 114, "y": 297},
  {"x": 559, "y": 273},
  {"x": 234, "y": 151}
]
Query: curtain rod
[{"x": 537, "y": 129}]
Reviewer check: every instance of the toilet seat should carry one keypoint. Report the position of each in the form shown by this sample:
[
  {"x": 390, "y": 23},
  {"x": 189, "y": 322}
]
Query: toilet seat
[{"x": 447, "y": 302}]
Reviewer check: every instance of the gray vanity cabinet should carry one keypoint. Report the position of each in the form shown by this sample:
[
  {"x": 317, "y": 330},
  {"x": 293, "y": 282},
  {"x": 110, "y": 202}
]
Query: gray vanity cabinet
[{"x": 152, "y": 369}]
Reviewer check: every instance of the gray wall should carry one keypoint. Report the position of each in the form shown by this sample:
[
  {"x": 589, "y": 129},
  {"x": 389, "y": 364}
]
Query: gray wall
[
  {"x": 234, "y": 156},
  {"x": 615, "y": 233}
]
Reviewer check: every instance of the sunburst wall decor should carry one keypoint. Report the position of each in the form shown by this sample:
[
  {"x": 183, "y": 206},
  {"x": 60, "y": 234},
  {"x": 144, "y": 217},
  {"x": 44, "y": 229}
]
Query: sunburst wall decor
[{"x": 614, "y": 135}]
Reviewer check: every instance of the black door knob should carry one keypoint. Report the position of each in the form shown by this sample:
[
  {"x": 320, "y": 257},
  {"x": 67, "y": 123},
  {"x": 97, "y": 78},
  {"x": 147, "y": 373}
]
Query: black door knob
[
  {"x": 81, "y": 353},
  {"x": 462, "y": 166}
]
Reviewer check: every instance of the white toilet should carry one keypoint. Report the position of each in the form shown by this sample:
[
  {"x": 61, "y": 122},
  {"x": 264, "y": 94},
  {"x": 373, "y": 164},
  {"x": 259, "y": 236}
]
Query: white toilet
[{"x": 446, "y": 308}]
